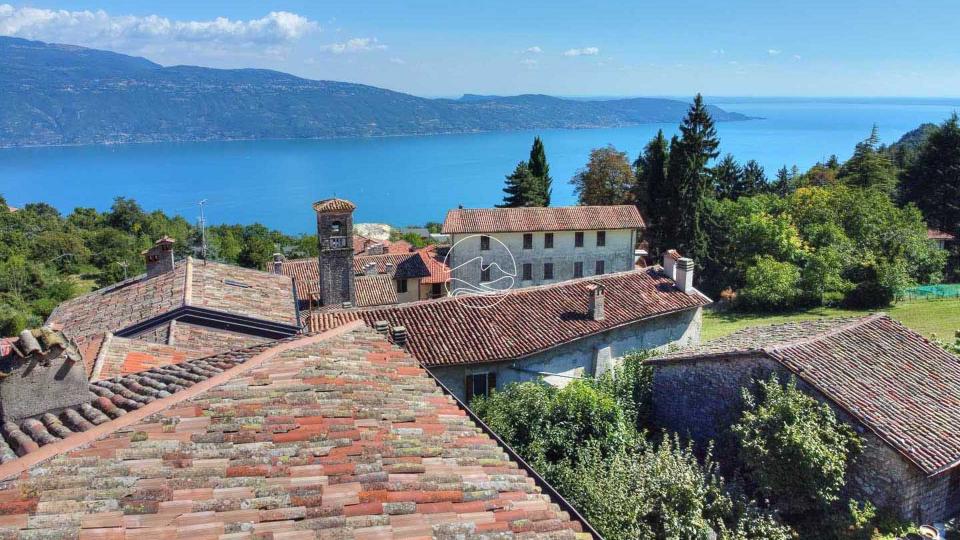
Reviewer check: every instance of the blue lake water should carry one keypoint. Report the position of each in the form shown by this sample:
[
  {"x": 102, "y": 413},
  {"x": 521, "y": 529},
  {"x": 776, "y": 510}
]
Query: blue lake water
[{"x": 411, "y": 180}]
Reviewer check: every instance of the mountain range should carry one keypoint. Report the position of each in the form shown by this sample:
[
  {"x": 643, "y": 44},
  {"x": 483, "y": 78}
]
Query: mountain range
[{"x": 64, "y": 94}]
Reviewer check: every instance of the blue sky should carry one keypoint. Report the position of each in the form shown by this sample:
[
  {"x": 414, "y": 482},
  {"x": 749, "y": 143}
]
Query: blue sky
[{"x": 446, "y": 48}]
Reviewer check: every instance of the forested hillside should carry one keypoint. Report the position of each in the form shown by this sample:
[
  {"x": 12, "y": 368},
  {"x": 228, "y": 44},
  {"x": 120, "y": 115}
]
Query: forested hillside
[{"x": 61, "y": 94}]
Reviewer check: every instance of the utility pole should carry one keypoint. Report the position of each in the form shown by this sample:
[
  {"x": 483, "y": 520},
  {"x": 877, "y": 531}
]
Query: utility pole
[
  {"x": 203, "y": 232},
  {"x": 123, "y": 264}
]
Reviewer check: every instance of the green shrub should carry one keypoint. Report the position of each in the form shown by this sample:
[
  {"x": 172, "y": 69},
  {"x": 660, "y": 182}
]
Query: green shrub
[
  {"x": 793, "y": 449},
  {"x": 770, "y": 285}
]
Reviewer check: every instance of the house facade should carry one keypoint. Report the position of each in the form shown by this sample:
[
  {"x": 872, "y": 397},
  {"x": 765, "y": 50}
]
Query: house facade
[
  {"x": 503, "y": 248},
  {"x": 897, "y": 390},
  {"x": 555, "y": 333}
]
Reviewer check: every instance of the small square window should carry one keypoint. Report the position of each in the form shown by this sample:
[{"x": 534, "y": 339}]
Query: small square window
[
  {"x": 527, "y": 271},
  {"x": 528, "y": 241},
  {"x": 578, "y": 239},
  {"x": 548, "y": 240},
  {"x": 599, "y": 268},
  {"x": 485, "y": 274},
  {"x": 436, "y": 290},
  {"x": 601, "y": 238},
  {"x": 547, "y": 270},
  {"x": 578, "y": 269},
  {"x": 480, "y": 384},
  {"x": 484, "y": 243},
  {"x": 401, "y": 285}
]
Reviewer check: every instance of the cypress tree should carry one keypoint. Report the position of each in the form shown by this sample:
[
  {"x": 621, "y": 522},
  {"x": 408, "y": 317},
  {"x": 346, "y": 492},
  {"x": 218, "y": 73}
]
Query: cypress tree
[
  {"x": 519, "y": 185},
  {"x": 651, "y": 189},
  {"x": 540, "y": 169},
  {"x": 699, "y": 143}
]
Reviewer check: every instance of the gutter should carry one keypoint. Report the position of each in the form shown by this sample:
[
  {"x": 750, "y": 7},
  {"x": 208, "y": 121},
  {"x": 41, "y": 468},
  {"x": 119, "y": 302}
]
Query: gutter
[{"x": 538, "y": 480}]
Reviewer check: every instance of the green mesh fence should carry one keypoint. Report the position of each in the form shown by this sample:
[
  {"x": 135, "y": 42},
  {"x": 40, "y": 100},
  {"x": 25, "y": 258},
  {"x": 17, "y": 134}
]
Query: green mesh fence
[{"x": 949, "y": 290}]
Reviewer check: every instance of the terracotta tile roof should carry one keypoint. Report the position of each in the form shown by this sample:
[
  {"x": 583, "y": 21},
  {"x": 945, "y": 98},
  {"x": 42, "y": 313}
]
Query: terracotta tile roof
[
  {"x": 362, "y": 243},
  {"x": 376, "y": 290},
  {"x": 338, "y": 436},
  {"x": 453, "y": 330},
  {"x": 306, "y": 276},
  {"x": 436, "y": 265},
  {"x": 561, "y": 218},
  {"x": 122, "y": 356},
  {"x": 892, "y": 380},
  {"x": 405, "y": 265},
  {"x": 216, "y": 286},
  {"x": 334, "y": 205},
  {"x": 937, "y": 234}
]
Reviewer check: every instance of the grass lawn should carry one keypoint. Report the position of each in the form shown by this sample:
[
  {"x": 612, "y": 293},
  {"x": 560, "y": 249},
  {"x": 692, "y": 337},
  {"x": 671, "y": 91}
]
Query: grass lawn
[{"x": 941, "y": 317}]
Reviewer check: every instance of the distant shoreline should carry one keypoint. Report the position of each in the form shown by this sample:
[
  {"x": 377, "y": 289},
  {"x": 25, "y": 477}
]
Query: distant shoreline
[{"x": 344, "y": 137}]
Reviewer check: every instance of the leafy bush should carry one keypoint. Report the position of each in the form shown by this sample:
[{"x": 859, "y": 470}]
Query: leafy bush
[
  {"x": 770, "y": 285},
  {"x": 661, "y": 491},
  {"x": 631, "y": 383},
  {"x": 793, "y": 449}
]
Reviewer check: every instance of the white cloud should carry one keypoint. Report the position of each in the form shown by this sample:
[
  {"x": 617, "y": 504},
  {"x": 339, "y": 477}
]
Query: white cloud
[
  {"x": 797, "y": 57},
  {"x": 399, "y": 61},
  {"x": 718, "y": 52},
  {"x": 535, "y": 50},
  {"x": 585, "y": 51},
  {"x": 99, "y": 28},
  {"x": 773, "y": 52},
  {"x": 354, "y": 45}
]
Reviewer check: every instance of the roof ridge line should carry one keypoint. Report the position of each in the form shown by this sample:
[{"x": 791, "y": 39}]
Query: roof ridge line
[
  {"x": 83, "y": 438},
  {"x": 858, "y": 321}
]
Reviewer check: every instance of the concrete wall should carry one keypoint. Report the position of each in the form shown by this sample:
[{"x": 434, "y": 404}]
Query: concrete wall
[
  {"x": 413, "y": 290},
  {"x": 617, "y": 255},
  {"x": 41, "y": 383},
  {"x": 702, "y": 399},
  {"x": 586, "y": 357}
]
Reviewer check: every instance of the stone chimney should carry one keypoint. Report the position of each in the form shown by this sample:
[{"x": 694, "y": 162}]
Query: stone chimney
[
  {"x": 277, "y": 263},
  {"x": 595, "y": 301},
  {"x": 43, "y": 372},
  {"x": 375, "y": 249},
  {"x": 684, "y": 279},
  {"x": 399, "y": 335},
  {"x": 159, "y": 258},
  {"x": 389, "y": 268},
  {"x": 670, "y": 258},
  {"x": 370, "y": 269}
]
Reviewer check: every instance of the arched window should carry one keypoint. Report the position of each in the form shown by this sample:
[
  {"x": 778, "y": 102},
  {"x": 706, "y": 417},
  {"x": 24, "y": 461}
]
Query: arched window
[{"x": 335, "y": 227}]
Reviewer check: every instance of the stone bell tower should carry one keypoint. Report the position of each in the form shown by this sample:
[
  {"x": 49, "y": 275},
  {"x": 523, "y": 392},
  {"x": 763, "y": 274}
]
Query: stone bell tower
[{"x": 335, "y": 238}]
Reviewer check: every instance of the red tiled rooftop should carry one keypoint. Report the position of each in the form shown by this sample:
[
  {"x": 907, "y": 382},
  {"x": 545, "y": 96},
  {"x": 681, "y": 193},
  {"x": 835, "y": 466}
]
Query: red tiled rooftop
[
  {"x": 894, "y": 381},
  {"x": 937, "y": 234},
  {"x": 376, "y": 290},
  {"x": 338, "y": 435},
  {"x": 334, "y": 205},
  {"x": 206, "y": 284},
  {"x": 561, "y": 218},
  {"x": 436, "y": 265},
  {"x": 454, "y": 331}
]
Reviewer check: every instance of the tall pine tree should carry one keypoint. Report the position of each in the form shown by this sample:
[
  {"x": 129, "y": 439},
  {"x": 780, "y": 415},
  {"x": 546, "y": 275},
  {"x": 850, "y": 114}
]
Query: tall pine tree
[
  {"x": 868, "y": 167},
  {"x": 520, "y": 184},
  {"x": 728, "y": 178},
  {"x": 540, "y": 169},
  {"x": 932, "y": 181},
  {"x": 754, "y": 179},
  {"x": 651, "y": 191},
  {"x": 698, "y": 145}
]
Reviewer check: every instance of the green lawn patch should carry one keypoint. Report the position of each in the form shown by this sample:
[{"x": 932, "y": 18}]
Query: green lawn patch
[{"x": 940, "y": 317}]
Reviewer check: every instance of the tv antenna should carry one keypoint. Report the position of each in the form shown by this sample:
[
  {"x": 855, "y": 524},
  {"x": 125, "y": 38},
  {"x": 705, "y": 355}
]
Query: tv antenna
[{"x": 203, "y": 231}]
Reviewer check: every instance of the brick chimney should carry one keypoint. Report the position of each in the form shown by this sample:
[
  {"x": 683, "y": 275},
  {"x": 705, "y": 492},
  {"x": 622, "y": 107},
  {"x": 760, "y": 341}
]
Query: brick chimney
[
  {"x": 670, "y": 258},
  {"x": 43, "y": 372},
  {"x": 159, "y": 258},
  {"x": 277, "y": 263},
  {"x": 684, "y": 272},
  {"x": 595, "y": 302}
]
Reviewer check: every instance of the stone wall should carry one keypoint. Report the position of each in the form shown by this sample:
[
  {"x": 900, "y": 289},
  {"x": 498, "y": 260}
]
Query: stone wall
[
  {"x": 586, "y": 357},
  {"x": 617, "y": 255},
  {"x": 701, "y": 399}
]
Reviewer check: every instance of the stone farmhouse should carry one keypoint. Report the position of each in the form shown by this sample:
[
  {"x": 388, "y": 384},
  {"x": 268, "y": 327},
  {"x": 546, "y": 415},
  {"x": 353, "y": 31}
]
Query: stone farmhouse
[
  {"x": 555, "y": 332},
  {"x": 548, "y": 245},
  {"x": 898, "y": 390}
]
